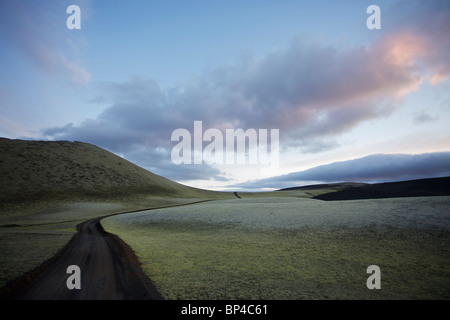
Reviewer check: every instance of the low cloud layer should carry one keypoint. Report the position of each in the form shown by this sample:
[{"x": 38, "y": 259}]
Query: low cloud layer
[
  {"x": 370, "y": 169},
  {"x": 311, "y": 92}
]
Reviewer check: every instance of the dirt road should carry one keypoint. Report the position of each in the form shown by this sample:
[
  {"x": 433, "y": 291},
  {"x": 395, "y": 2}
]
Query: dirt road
[{"x": 109, "y": 270}]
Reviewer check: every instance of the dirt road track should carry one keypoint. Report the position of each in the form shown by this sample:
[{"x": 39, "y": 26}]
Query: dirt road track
[{"x": 109, "y": 271}]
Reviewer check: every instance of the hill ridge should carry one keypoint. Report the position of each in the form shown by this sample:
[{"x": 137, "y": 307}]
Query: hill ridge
[
  {"x": 65, "y": 169},
  {"x": 409, "y": 188}
]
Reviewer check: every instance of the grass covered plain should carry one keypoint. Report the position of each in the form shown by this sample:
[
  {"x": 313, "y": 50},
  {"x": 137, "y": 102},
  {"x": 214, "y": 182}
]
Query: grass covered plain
[
  {"x": 33, "y": 233},
  {"x": 293, "y": 248}
]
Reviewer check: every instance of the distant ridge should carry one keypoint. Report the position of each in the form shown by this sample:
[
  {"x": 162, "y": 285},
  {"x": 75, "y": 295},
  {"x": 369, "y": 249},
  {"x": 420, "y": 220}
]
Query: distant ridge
[
  {"x": 338, "y": 185},
  {"x": 66, "y": 170},
  {"x": 410, "y": 188}
]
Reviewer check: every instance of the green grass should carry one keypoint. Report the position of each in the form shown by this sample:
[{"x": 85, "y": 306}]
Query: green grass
[
  {"x": 288, "y": 248},
  {"x": 32, "y": 234},
  {"x": 23, "y": 249}
]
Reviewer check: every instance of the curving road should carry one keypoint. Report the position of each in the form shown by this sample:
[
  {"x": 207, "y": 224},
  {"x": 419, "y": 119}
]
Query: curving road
[{"x": 109, "y": 270}]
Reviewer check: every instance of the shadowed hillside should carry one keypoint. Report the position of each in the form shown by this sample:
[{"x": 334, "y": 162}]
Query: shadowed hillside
[
  {"x": 68, "y": 170},
  {"x": 337, "y": 186},
  {"x": 411, "y": 188}
]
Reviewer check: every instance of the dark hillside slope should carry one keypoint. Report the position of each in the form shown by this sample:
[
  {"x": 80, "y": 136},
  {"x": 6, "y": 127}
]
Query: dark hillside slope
[
  {"x": 411, "y": 188},
  {"x": 66, "y": 170}
]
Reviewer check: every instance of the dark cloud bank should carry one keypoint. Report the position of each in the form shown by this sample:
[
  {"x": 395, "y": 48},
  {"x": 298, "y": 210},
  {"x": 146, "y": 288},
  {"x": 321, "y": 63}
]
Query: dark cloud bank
[{"x": 371, "y": 169}]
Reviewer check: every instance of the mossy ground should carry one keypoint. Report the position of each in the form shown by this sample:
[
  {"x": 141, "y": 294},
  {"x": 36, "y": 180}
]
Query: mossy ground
[{"x": 220, "y": 251}]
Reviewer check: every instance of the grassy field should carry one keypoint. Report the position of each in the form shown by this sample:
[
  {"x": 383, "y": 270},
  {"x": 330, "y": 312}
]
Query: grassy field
[
  {"x": 270, "y": 245},
  {"x": 293, "y": 248},
  {"x": 32, "y": 234},
  {"x": 47, "y": 188}
]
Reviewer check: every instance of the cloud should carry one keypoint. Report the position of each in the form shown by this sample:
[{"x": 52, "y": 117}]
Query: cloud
[
  {"x": 9, "y": 128},
  {"x": 371, "y": 169},
  {"x": 157, "y": 160},
  {"x": 311, "y": 92},
  {"x": 423, "y": 117},
  {"x": 37, "y": 28},
  {"x": 429, "y": 21}
]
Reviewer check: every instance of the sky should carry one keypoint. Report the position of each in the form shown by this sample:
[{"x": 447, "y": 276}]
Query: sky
[{"x": 349, "y": 103}]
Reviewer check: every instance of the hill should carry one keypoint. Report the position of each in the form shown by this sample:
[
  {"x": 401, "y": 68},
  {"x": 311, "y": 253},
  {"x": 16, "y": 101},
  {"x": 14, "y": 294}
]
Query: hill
[
  {"x": 410, "y": 188},
  {"x": 337, "y": 186},
  {"x": 75, "y": 170}
]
